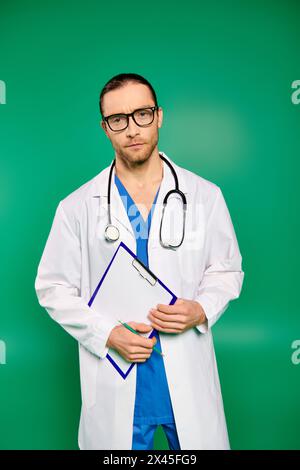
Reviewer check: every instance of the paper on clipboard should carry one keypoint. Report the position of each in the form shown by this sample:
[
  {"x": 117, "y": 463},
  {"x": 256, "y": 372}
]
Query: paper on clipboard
[{"x": 127, "y": 291}]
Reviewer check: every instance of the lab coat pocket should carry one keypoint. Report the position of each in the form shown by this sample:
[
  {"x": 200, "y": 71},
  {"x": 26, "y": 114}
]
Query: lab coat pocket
[{"x": 88, "y": 376}]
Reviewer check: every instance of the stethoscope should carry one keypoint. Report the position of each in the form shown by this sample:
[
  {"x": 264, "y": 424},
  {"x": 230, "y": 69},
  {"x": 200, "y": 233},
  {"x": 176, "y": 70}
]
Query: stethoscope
[{"x": 112, "y": 232}]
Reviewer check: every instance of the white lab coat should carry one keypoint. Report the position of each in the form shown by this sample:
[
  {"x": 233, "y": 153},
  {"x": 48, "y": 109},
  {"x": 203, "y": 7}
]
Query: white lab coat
[{"x": 206, "y": 268}]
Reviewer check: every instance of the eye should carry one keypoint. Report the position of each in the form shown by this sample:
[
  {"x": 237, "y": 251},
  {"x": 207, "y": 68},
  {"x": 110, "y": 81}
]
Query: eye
[{"x": 144, "y": 112}]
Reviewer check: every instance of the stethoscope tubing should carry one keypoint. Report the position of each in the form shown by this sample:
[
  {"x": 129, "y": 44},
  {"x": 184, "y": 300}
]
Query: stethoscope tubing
[{"x": 115, "y": 231}]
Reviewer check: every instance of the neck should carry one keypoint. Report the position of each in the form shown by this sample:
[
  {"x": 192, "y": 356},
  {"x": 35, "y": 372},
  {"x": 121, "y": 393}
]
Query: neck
[{"x": 147, "y": 173}]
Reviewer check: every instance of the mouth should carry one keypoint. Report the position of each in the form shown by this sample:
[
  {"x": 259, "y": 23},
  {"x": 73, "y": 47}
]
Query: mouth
[{"x": 136, "y": 145}]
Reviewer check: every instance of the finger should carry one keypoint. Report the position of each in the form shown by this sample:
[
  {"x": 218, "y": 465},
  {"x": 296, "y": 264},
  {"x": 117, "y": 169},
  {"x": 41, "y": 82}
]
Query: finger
[
  {"x": 132, "y": 360},
  {"x": 139, "y": 350},
  {"x": 139, "y": 357},
  {"x": 167, "y": 330},
  {"x": 150, "y": 342},
  {"x": 164, "y": 326},
  {"x": 166, "y": 317},
  {"x": 167, "y": 324},
  {"x": 134, "y": 357},
  {"x": 169, "y": 308},
  {"x": 143, "y": 328},
  {"x": 144, "y": 343},
  {"x": 140, "y": 327}
]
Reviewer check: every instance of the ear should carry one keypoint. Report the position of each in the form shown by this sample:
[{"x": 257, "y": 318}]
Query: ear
[
  {"x": 160, "y": 117},
  {"x": 104, "y": 127}
]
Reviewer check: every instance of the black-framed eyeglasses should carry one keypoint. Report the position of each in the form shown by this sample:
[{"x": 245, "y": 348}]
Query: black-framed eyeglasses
[{"x": 142, "y": 117}]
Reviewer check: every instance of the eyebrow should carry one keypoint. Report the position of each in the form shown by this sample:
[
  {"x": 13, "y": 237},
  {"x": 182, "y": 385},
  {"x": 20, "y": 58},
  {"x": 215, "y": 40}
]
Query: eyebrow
[{"x": 140, "y": 107}]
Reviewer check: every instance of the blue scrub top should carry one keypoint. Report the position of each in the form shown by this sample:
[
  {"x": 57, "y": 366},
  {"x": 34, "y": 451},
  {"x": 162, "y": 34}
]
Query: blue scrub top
[{"x": 152, "y": 401}]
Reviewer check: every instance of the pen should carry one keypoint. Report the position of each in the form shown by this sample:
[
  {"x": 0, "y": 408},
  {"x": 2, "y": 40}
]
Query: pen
[{"x": 134, "y": 331}]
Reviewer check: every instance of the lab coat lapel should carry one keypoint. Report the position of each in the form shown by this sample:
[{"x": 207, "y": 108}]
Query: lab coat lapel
[
  {"x": 118, "y": 210},
  {"x": 119, "y": 216}
]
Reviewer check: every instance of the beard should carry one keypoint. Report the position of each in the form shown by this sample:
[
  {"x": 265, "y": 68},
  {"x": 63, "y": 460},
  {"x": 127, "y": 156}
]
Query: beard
[{"x": 137, "y": 157}]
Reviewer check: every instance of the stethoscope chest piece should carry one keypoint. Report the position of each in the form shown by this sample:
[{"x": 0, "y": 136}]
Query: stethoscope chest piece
[{"x": 111, "y": 233}]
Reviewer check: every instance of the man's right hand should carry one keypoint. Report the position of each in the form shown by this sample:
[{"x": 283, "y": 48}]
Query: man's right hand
[{"x": 132, "y": 347}]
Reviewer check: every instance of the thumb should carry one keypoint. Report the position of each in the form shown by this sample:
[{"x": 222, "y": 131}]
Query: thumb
[{"x": 143, "y": 328}]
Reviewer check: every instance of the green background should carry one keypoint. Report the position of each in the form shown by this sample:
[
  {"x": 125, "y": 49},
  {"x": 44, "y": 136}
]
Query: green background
[{"x": 222, "y": 72}]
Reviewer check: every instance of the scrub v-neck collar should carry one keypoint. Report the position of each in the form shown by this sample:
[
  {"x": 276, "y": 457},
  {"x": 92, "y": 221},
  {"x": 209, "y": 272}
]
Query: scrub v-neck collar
[{"x": 123, "y": 192}]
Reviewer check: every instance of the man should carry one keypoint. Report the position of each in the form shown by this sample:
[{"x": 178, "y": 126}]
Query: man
[{"x": 180, "y": 391}]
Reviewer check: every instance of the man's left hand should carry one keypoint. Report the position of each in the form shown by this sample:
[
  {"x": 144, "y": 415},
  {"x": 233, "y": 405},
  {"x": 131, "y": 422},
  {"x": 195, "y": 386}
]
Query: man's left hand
[{"x": 177, "y": 318}]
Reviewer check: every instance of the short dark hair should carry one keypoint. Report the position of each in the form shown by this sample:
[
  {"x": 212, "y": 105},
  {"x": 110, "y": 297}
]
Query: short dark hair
[{"x": 118, "y": 81}]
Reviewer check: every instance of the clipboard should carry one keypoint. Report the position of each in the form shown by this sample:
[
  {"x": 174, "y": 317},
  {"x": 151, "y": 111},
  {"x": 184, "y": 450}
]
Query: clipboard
[{"x": 126, "y": 275}]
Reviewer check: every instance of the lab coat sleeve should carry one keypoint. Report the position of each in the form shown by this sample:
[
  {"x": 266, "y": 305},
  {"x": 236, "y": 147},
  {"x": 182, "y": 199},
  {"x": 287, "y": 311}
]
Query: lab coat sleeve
[
  {"x": 57, "y": 286},
  {"x": 223, "y": 276}
]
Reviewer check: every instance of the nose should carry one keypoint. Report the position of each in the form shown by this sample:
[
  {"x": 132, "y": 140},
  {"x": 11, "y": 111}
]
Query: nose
[{"x": 132, "y": 128}]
